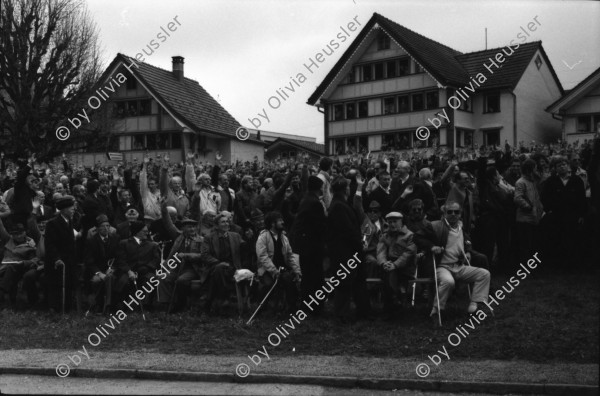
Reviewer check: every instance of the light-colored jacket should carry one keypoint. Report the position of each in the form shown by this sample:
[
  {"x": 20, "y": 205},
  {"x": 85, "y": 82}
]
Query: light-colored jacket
[
  {"x": 527, "y": 199},
  {"x": 265, "y": 250}
]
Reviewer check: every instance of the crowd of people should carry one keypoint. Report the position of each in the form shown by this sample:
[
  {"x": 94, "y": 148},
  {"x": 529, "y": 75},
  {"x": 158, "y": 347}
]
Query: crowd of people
[{"x": 471, "y": 213}]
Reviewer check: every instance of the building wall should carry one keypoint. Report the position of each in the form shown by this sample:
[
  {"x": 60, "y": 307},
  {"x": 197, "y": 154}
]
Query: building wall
[
  {"x": 243, "y": 151},
  {"x": 374, "y": 92},
  {"x": 589, "y": 104},
  {"x": 535, "y": 91}
]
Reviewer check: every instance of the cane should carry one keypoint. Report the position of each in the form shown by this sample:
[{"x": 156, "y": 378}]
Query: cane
[
  {"x": 263, "y": 301},
  {"x": 108, "y": 294},
  {"x": 136, "y": 290},
  {"x": 63, "y": 287},
  {"x": 174, "y": 288},
  {"x": 437, "y": 292},
  {"x": 468, "y": 264}
]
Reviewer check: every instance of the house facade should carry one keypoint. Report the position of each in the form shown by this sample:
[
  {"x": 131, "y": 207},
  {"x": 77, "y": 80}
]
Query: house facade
[
  {"x": 579, "y": 110},
  {"x": 148, "y": 109},
  {"x": 392, "y": 81}
]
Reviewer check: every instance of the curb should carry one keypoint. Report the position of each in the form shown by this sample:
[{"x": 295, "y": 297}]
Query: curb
[{"x": 339, "y": 382}]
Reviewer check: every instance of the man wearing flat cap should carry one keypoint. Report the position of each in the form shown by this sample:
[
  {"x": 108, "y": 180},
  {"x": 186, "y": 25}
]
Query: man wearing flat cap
[
  {"x": 100, "y": 249},
  {"x": 61, "y": 253},
  {"x": 188, "y": 247},
  {"x": 396, "y": 254}
]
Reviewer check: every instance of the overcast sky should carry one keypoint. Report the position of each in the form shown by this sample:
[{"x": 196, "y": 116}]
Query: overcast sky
[{"x": 241, "y": 52}]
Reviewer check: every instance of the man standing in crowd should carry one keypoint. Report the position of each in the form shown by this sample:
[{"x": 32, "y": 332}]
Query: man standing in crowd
[
  {"x": 563, "y": 197},
  {"x": 61, "y": 255},
  {"x": 173, "y": 191},
  {"x": 381, "y": 194},
  {"x": 309, "y": 233},
  {"x": 345, "y": 242}
]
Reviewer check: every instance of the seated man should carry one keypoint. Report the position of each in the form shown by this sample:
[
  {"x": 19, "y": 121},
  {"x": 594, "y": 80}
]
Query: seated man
[
  {"x": 123, "y": 229},
  {"x": 19, "y": 258},
  {"x": 396, "y": 253},
  {"x": 188, "y": 247},
  {"x": 221, "y": 254},
  {"x": 452, "y": 249},
  {"x": 276, "y": 260},
  {"x": 137, "y": 257},
  {"x": 99, "y": 250}
]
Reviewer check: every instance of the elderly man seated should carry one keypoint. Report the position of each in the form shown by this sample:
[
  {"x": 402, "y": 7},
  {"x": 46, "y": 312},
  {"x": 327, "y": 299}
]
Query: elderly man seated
[
  {"x": 455, "y": 259},
  {"x": 396, "y": 253},
  {"x": 221, "y": 255}
]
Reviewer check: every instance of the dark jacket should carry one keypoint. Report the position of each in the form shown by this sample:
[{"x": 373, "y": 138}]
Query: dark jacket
[
  {"x": 210, "y": 252},
  {"x": 310, "y": 227},
  {"x": 143, "y": 258},
  {"x": 345, "y": 237},
  {"x": 60, "y": 244},
  {"x": 97, "y": 254}
]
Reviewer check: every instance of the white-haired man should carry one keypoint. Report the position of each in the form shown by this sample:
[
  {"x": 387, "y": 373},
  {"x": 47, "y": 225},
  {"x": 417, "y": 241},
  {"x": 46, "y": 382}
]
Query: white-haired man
[{"x": 173, "y": 191}]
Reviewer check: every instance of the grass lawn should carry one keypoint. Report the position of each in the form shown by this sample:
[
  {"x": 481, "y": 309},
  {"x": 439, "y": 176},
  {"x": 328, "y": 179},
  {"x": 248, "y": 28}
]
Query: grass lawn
[{"x": 549, "y": 317}]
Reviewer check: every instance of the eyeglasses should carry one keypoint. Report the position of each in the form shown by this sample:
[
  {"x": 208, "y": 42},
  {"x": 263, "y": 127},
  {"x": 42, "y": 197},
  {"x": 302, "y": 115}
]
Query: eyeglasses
[
  {"x": 373, "y": 210},
  {"x": 417, "y": 209},
  {"x": 453, "y": 212}
]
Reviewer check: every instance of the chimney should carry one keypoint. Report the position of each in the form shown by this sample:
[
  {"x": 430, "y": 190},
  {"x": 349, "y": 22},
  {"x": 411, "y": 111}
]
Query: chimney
[{"x": 178, "y": 67}]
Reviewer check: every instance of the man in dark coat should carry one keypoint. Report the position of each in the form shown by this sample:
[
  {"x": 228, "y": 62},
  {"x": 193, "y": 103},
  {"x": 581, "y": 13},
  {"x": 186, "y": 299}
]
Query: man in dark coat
[
  {"x": 308, "y": 236},
  {"x": 99, "y": 250},
  {"x": 137, "y": 259},
  {"x": 345, "y": 242},
  {"x": 61, "y": 252},
  {"x": 222, "y": 254},
  {"x": 381, "y": 194}
]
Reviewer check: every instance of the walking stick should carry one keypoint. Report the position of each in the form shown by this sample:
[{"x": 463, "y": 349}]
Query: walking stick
[
  {"x": 263, "y": 301},
  {"x": 136, "y": 290},
  {"x": 108, "y": 294},
  {"x": 468, "y": 265},
  {"x": 437, "y": 292},
  {"x": 174, "y": 288}
]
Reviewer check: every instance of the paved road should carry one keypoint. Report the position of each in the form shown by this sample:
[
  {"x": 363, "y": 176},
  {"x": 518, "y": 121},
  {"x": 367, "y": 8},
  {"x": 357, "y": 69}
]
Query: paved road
[{"x": 26, "y": 384}]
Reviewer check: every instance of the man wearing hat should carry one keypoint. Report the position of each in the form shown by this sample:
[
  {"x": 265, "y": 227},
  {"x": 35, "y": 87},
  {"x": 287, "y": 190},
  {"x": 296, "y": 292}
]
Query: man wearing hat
[
  {"x": 188, "y": 247},
  {"x": 123, "y": 228},
  {"x": 22, "y": 250},
  {"x": 61, "y": 254},
  {"x": 396, "y": 254},
  {"x": 308, "y": 238},
  {"x": 99, "y": 250}
]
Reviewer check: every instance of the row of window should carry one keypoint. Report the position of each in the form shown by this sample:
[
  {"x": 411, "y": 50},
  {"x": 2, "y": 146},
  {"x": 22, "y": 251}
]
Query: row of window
[
  {"x": 132, "y": 108},
  {"x": 417, "y": 101},
  {"x": 420, "y": 101},
  {"x": 150, "y": 141},
  {"x": 406, "y": 140},
  {"x": 588, "y": 123},
  {"x": 381, "y": 70}
]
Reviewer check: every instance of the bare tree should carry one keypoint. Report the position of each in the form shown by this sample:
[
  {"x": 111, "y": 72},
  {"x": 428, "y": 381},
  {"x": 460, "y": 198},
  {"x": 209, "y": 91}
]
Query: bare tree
[{"x": 49, "y": 58}]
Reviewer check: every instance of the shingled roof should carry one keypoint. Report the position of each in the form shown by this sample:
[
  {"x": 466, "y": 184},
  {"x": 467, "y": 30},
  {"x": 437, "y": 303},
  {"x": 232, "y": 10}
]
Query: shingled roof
[
  {"x": 510, "y": 71},
  {"x": 446, "y": 65},
  {"x": 186, "y": 99},
  {"x": 312, "y": 147}
]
